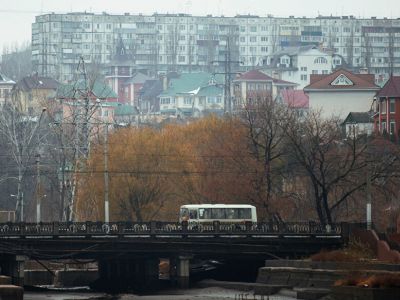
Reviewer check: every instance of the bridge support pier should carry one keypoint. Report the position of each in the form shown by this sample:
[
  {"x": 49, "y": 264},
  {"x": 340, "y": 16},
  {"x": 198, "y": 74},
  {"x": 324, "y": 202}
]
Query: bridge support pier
[
  {"x": 13, "y": 266},
  {"x": 137, "y": 273},
  {"x": 183, "y": 271}
]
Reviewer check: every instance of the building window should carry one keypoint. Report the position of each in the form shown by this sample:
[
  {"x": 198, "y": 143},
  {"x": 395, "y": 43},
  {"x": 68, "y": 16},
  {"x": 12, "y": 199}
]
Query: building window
[
  {"x": 187, "y": 101},
  {"x": 383, "y": 128},
  {"x": 392, "y": 127},
  {"x": 303, "y": 77},
  {"x": 253, "y": 39},
  {"x": 303, "y": 69},
  {"x": 392, "y": 106},
  {"x": 181, "y": 58},
  {"x": 383, "y": 107},
  {"x": 264, "y": 49},
  {"x": 264, "y": 39},
  {"x": 253, "y": 28},
  {"x": 324, "y": 72},
  {"x": 320, "y": 60},
  {"x": 314, "y": 71},
  {"x": 242, "y": 39},
  {"x": 165, "y": 100}
]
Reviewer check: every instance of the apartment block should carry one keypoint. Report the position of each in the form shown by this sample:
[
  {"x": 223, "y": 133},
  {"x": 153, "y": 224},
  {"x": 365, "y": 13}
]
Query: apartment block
[{"x": 179, "y": 42}]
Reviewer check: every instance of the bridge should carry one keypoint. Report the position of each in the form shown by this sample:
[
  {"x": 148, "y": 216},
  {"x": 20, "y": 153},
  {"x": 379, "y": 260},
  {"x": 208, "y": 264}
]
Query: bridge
[{"x": 126, "y": 250}]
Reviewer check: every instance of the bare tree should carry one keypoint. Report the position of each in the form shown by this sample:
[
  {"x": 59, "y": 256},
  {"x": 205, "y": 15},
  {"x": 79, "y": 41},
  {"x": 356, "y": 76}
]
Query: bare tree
[
  {"x": 335, "y": 166},
  {"x": 24, "y": 138},
  {"x": 16, "y": 61},
  {"x": 267, "y": 121}
]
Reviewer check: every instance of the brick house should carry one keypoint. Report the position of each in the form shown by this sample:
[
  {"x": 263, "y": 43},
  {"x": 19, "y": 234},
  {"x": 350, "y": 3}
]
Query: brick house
[{"x": 387, "y": 109}]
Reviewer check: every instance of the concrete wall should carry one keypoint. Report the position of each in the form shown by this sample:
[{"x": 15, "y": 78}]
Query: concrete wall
[
  {"x": 38, "y": 277},
  {"x": 340, "y": 104},
  {"x": 72, "y": 278}
]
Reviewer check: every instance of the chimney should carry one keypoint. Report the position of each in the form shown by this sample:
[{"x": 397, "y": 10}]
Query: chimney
[
  {"x": 275, "y": 75},
  {"x": 164, "y": 80}
]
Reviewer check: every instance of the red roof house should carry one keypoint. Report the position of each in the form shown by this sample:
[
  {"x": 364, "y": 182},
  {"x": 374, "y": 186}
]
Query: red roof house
[
  {"x": 387, "y": 109},
  {"x": 255, "y": 84},
  {"x": 341, "y": 92}
]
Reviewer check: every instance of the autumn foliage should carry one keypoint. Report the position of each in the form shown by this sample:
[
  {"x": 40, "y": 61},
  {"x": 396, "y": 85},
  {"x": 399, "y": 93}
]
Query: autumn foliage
[{"x": 152, "y": 172}]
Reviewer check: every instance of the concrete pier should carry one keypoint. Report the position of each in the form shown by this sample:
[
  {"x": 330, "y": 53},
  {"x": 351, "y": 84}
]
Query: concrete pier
[
  {"x": 13, "y": 266},
  {"x": 183, "y": 271}
]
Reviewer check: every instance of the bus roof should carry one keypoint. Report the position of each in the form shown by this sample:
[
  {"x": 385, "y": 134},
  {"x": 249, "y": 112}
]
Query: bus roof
[{"x": 217, "y": 206}]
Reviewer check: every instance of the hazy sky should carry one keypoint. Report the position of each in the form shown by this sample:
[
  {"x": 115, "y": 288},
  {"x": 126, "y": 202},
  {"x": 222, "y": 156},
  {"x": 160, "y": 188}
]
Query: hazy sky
[{"x": 16, "y": 16}]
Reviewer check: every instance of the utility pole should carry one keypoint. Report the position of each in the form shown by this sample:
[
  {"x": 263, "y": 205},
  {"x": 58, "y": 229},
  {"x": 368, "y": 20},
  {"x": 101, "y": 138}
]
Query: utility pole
[
  {"x": 227, "y": 72},
  {"x": 38, "y": 196},
  {"x": 369, "y": 206},
  {"x": 106, "y": 202}
]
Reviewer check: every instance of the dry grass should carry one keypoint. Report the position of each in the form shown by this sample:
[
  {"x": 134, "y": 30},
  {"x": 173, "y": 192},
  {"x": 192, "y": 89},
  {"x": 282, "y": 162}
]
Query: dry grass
[
  {"x": 374, "y": 281},
  {"x": 356, "y": 251}
]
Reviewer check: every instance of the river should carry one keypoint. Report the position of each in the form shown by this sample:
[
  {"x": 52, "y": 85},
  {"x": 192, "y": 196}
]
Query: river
[{"x": 212, "y": 293}]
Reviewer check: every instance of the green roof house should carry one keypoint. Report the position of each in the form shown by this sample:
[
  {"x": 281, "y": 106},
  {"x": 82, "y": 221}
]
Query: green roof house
[{"x": 193, "y": 94}]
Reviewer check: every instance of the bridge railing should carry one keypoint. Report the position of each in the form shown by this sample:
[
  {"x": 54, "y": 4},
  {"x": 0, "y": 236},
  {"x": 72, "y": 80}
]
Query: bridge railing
[{"x": 168, "y": 228}]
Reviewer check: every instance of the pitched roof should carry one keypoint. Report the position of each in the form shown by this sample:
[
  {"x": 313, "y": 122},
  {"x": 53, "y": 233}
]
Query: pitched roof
[
  {"x": 324, "y": 82},
  {"x": 211, "y": 90},
  {"x": 125, "y": 110},
  {"x": 358, "y": 117},
  {"x": 283, "y": 82},
  {"x": 151, "y": 89},
  {"x": 5, "y": 80},
  {"x": 190, "y": 83},
  {"x": 138, "y": 78},
  {"x": 254, "y": 75},
  {"x": 295, "y": 98},
  {"x": 29, "y": 83},
  {"x": 99, "y": 89},
  {"x": 391, "y": 88}
]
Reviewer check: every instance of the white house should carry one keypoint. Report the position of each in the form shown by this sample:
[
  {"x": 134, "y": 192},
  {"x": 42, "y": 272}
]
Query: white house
[
  {"x": 296, "y": 64},
  {"x": 341, "y": 92},
  {"x": 357, "y": 123}
]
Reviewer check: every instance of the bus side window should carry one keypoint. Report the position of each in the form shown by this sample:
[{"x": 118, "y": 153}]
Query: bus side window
[
  {"x": 201, "y": 213},
  {"x": 231, "y": 213},
  {"x": 193, "y": 214},
  {"x": 184, "y": 214}
]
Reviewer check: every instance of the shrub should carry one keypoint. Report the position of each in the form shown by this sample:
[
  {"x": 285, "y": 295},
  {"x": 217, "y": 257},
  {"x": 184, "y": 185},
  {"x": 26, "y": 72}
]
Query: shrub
[{"x": 354, "y": 252}]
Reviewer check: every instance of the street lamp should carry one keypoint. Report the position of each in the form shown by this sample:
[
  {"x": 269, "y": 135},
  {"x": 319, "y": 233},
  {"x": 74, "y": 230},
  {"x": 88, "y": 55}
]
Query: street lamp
[{"x": 106, "y": 200}]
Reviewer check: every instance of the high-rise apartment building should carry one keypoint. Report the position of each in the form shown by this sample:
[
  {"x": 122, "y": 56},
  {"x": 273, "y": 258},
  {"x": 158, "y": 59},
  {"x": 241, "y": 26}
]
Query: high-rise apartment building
[{"x": 180, "y": 42}]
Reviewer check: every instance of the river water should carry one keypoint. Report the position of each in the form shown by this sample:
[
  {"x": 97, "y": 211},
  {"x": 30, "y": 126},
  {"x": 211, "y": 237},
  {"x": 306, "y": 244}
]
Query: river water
[{"x": 212, "y": 293}]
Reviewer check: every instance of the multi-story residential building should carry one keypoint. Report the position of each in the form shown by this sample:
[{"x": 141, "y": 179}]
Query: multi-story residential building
[
  {"x": 387, "y": 109},
  {"x": 341, "y": 92},
  {"x": 296, "y": 64},
  {"x": 181, "y": 42},
  {"x": 6, "y": 85}
]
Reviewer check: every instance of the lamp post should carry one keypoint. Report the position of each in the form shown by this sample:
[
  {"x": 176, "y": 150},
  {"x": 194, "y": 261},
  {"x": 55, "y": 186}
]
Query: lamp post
[
  {"x": 106, "y": 202},
  {"x": 105, "y": 152}
]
